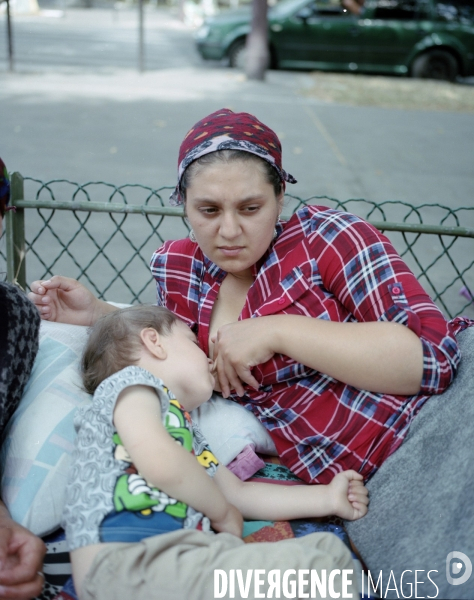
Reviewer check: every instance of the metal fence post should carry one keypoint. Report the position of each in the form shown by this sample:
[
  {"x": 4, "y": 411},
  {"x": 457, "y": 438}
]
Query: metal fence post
[
  {"x": 141, "y": 37},
  {"x": 15, "y": 233},
  {"x": 10, "y": 37}
]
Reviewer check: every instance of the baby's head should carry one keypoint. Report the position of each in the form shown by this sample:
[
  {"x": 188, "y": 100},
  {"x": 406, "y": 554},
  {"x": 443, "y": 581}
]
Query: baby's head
[{"x": 155, "y": 339}]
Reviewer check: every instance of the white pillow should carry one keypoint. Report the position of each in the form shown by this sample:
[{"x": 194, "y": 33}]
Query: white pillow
[
  {"x": 36, "y": 455},
  {"x": 229, "y": 428}
]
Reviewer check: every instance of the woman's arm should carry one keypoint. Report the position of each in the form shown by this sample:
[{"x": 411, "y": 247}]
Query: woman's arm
[
  {"x": 165, "y": 464},
  {"x": 65, "y": 300},
  {"x": 21, "y": 559},
  {"x": 375, "y": 356},
  {"x": 380, "y": 331},
  {"x": 353, "y": 6},
  {"x": 379, "y": 357},
  {"x": 346, "y": 496}
]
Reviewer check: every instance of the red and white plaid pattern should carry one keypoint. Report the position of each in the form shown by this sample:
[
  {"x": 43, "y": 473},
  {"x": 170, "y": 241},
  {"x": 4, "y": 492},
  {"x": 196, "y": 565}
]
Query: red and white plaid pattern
[{"x": 329, "y": 265}]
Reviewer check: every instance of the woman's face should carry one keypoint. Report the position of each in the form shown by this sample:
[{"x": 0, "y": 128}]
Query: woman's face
[{"x": 233, "y": 211}]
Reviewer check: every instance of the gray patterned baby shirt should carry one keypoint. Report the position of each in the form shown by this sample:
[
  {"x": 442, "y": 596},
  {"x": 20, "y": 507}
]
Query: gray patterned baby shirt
[{"x": 106, "y": 498}]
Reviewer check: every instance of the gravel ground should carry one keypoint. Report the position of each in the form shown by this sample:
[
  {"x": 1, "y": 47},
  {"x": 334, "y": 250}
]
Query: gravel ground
[{"x": 392, "y": 92}]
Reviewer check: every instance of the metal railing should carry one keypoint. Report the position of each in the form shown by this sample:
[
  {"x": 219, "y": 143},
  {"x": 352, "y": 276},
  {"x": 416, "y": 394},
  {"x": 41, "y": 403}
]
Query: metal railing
[{"x": 104, "y": 235}]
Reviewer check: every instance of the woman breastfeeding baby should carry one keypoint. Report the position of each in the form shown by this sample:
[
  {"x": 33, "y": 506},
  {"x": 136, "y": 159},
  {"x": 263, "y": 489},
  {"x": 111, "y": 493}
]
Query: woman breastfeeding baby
[{"x": 315, "y": 324}]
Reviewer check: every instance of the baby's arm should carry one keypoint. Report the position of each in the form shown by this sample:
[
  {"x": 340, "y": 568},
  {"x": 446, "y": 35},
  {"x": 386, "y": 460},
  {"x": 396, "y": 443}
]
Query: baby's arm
[
  {"x": 164, "y": 463},
  {"x": 346, "y": 496}
]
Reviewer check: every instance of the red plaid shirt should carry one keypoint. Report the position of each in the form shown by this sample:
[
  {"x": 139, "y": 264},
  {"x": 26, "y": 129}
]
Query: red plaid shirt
[{"x": 329, "y": 265}]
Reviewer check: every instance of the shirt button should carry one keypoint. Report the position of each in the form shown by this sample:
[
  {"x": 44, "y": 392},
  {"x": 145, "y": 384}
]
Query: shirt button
[
  {"x": 396, "y": 289},
  {"x": 281, "y": 301}
]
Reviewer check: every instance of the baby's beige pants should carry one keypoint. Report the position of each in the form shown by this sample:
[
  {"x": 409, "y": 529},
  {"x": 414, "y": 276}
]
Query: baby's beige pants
[{"x": 181, "y": 565}]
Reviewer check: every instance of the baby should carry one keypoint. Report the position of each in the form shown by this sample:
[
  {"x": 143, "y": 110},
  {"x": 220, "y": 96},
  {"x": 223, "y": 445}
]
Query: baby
[{"x": 146, "y": 496}]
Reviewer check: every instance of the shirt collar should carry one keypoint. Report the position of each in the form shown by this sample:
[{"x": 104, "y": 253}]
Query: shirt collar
[{"x": 214, "y": 271}]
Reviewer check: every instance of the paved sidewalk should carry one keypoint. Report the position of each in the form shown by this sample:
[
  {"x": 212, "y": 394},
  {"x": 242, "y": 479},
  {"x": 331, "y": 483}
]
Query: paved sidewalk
[
  {"x": 88, "y": 118},
  {"x": 78, "y": 109}
]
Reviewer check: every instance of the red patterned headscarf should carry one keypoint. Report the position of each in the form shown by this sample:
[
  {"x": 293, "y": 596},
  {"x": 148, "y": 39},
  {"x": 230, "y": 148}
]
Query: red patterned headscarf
[{"x": 226, "y": 130}]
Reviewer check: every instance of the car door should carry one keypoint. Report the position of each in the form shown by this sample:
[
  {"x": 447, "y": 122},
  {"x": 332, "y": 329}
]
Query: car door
[
  {"x": 320, "y": 35},
  {"x": 390, "y": 31},
  {"x": 455, "y": 24}
]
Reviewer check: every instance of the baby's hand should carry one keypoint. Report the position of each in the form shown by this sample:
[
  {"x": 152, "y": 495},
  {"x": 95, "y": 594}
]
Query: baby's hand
[
  {"x": 350, "y": 495},
  {"x": 232, "y": 522}
]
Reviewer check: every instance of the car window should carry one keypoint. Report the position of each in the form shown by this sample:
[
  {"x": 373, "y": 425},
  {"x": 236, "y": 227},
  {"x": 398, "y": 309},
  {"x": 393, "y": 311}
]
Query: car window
[
  {"x": 404, "y": 10},
  {"x": 286, "y": 7},
  {"x": 323, "y": 8},
  {"x": 455, "y": 10},
  {"x": 328, "y": 8}
]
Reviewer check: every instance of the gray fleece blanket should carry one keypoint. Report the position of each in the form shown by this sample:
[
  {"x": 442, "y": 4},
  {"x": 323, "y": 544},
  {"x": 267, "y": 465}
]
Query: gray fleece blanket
[{"x": 417, "y": 539}]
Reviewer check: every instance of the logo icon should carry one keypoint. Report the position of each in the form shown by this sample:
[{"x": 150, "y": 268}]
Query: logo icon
[{"x": 454, "y": 567}]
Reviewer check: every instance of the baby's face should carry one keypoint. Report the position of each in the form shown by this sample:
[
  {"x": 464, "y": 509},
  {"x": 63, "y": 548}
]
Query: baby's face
[{"x": 188, "y": 370}]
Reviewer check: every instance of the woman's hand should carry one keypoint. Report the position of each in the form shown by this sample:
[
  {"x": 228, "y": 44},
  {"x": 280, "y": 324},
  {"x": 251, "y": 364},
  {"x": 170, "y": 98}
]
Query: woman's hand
[
  {"x": 21, "y": 561},
  {"x": 65, "y": 300},
  {"x": 238, "y": 347}
]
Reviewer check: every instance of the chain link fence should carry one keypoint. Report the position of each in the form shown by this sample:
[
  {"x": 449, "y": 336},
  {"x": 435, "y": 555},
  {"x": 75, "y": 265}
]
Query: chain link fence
[{"x": 104, "y": 236}]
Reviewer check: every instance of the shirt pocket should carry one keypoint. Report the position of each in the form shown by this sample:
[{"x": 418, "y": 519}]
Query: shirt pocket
[{"x": 290, "y": 288}]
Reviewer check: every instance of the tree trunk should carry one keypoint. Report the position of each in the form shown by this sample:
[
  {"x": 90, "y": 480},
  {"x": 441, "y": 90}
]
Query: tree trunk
[{"x": 258, "y": 55}]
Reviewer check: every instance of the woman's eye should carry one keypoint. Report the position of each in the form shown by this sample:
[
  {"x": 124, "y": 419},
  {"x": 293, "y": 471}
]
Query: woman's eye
[{"x": 251, "y": 209}]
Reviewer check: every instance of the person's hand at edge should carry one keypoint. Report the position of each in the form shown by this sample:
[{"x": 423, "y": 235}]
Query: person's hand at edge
[
  {"x": 21, "y": 560},
  {"x": 65, "y": 300}
]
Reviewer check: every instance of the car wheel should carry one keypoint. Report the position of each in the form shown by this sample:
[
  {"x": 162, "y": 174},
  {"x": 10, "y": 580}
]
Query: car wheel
[
  {"x": 435, "y": 64},
  {"x": 237, "y": 54}
]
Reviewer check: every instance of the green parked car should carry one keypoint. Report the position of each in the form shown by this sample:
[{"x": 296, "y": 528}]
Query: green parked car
[{"x": 422, "y": 38}]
